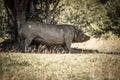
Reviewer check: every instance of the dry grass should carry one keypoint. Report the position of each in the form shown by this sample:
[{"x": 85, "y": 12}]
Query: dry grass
[
  {"x": 18, "y": 66},
  {"x": 102, "y": 45}
]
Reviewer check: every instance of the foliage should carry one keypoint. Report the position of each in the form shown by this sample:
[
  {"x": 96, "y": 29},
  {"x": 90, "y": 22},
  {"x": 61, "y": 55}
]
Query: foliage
[
  {"x": 3, "y": 19},
  {"x": 94, "y": 16},
  {"x": 40, "y": 11},
  {"x": 7, "y": 28}
]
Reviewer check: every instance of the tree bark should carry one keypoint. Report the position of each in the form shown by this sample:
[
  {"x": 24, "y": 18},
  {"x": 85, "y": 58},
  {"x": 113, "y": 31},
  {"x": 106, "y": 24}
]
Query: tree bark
[
  {"x": 48, "y": 16},
  {"x": 17, "y": 9},
  {"x": 21, "y": 6},
  {"x": 49, "y": 12}
]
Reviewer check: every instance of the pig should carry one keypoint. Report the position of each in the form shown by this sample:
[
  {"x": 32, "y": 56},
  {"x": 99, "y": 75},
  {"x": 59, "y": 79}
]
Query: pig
[{"x": 52, "y": 34}]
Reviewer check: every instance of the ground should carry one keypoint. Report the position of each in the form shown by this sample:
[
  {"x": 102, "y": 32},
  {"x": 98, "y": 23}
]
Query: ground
[
  {"x": 101, "y": 45},
  {"x": 19, "y": 66},
  {"x": 96, "y": 59},
  {"x": 92, "y": 46}
]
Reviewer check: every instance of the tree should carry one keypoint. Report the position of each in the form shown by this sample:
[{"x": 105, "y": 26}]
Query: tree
[
  {"x": 16, "y": 12},
  {"x": 98, "y": 17},
  {"x": 19, "y": 11}
]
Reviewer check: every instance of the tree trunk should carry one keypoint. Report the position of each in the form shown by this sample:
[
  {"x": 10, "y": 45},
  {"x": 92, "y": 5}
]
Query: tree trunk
[
  {"x": 49, "y": 12},
  {"x": 21, "y": 6},
  {"x": 48, "y": 15},
  {"x": 17, "y": 9}
]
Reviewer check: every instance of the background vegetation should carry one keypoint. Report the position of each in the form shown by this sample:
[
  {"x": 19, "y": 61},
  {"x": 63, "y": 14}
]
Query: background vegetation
[{"x": 97, "y": 17}]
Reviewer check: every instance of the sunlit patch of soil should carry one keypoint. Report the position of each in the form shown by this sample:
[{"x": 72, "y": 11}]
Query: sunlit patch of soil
[{"x": 101, "y": 45}]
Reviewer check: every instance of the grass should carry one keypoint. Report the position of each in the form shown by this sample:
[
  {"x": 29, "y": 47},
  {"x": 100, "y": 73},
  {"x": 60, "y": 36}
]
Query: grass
[{"x": 19, "y": 66}]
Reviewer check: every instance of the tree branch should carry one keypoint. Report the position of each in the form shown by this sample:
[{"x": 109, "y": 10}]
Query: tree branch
[{"x": 55, "y": 7}]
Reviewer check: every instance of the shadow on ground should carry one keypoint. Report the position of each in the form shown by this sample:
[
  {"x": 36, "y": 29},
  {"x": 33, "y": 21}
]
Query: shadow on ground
[
  {"x": 12, "y": 46},
  {"x": 76, "y": 50}
]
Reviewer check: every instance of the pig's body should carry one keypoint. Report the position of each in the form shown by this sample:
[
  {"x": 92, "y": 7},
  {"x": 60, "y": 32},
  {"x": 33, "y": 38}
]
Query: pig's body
[{"x": 52, "y": 34}]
